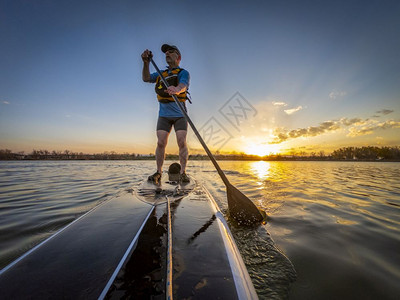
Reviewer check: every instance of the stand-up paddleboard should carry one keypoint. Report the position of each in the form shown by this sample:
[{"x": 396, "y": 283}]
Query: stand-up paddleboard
[{"x": 201, "y": 257}]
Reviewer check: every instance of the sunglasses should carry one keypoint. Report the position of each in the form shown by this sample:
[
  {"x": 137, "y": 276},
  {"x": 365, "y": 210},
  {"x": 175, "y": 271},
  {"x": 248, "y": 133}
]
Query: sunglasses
[{"x": 172, "y": 51}]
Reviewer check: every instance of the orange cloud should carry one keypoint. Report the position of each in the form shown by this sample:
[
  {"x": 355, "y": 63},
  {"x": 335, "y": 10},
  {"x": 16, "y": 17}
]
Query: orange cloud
[
  {"x": 369, "y": 129},
  {"x": 357, "y": 126}
]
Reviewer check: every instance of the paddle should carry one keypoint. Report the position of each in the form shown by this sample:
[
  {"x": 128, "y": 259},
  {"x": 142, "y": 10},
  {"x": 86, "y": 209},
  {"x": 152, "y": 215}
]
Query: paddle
[{"x": 241, "y": 208}]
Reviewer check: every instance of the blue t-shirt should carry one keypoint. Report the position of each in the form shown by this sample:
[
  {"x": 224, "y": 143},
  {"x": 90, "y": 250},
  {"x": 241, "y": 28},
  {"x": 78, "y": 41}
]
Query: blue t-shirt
[{"x": 171, "y": 109}]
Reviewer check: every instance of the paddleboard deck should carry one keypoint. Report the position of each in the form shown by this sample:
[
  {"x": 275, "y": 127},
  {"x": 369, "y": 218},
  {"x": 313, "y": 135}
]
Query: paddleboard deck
[
  {"x": 142, "y": 275},
  {"x": 77, "y": 262},
  {"x": 152, "y": 193},
  {"x": 206, "y": 260}
]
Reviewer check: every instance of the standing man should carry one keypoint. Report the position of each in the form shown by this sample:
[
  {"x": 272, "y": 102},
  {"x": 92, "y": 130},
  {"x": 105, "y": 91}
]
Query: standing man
[{"x": 169, "y": 113}]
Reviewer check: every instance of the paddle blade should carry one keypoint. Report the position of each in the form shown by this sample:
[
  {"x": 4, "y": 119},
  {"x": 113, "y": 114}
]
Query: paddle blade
[{"x": 241, "y": 208}]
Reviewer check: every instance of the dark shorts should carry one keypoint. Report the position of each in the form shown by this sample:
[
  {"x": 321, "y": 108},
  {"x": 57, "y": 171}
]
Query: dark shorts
[{"x": 165, "y": 124}]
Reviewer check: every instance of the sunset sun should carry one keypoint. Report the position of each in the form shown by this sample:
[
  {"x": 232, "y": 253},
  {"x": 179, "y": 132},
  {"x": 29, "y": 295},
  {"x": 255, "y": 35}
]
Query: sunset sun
[{"x": 262, "y": 149}]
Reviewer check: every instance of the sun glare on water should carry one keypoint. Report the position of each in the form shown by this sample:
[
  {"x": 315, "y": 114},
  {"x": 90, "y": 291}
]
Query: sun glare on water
[{"x": 261, "y": 169}]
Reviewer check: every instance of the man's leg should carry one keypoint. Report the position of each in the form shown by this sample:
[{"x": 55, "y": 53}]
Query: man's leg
[
  {"x": 183, "y": 150},
  {"x": 162, "y": 140}
]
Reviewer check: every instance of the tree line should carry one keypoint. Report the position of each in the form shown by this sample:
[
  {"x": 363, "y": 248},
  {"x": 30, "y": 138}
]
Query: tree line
[
  {"x": 65, "y": 155},
  {"x": 367, "y": 153},
  {"x": 346, "y": 153}
]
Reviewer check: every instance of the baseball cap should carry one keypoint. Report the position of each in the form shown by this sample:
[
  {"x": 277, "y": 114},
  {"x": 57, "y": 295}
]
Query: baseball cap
[{"x": 166, "y": 47}]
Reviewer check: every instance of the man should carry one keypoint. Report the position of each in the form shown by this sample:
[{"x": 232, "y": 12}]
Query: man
[{"x": 169, "y": 113}]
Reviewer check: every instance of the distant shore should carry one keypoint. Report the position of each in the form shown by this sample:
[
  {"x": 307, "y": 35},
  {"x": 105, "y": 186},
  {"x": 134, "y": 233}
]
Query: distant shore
[
  {"x": 390, "y": 154},
  {"x": 217, "y": 158}
]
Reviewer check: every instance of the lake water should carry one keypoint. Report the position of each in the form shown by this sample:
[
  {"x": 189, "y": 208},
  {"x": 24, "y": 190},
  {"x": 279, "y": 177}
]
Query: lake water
[{"x": 333, "y": 230}]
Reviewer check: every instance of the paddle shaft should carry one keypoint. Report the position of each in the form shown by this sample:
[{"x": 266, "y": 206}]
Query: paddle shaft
[{"x": 182, "y": 108}]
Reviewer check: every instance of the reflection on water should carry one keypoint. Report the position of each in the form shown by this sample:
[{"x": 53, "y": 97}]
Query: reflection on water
[
  {"x": 261, "y": 169},
  {"x": 337, "y": 222},
  {"x": 333, "y": 232}
]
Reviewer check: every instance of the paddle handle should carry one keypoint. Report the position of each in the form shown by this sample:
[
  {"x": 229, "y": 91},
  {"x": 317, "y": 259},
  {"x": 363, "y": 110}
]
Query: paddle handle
[{"x": 181, "y": 107}]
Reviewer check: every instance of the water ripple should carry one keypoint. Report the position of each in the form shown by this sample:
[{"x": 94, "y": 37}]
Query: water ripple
[
  {"x": 39, "y": 198},
  {"x": 334, "y": 224}
]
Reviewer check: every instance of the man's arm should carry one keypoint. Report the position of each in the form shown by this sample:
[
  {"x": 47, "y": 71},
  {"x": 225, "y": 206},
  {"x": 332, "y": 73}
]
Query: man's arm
[
  {"x": 175, "y": 90},
  {"x": 146, "y": 65},
  {"x": 183, "y": 85}
]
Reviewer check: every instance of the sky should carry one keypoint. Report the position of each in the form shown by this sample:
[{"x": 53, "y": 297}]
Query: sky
[{"x": 266, "y": 76}]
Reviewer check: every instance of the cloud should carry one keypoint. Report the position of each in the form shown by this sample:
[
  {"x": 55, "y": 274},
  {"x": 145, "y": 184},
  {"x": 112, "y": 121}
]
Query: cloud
[
  {"x": 337, "y": 94},
  {"x": 389, "y": 124},
  {"x": 282, "y": 135},
  {"x": 293, "y": 110},
  {"x": 357, "y": 127},
  {"x": 353, "y": 132},
  {"x": 354, "y": 121},
  {"x": 5, "y": 102},
  {"x": 385, "y": 111},
  {"x": 371, "y": 127},
  {"x": 279, "y": 103}
]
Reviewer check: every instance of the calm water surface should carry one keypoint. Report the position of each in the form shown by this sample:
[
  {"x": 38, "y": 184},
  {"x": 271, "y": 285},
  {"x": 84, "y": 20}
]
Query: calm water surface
[{"x": 333, "y": 232}]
